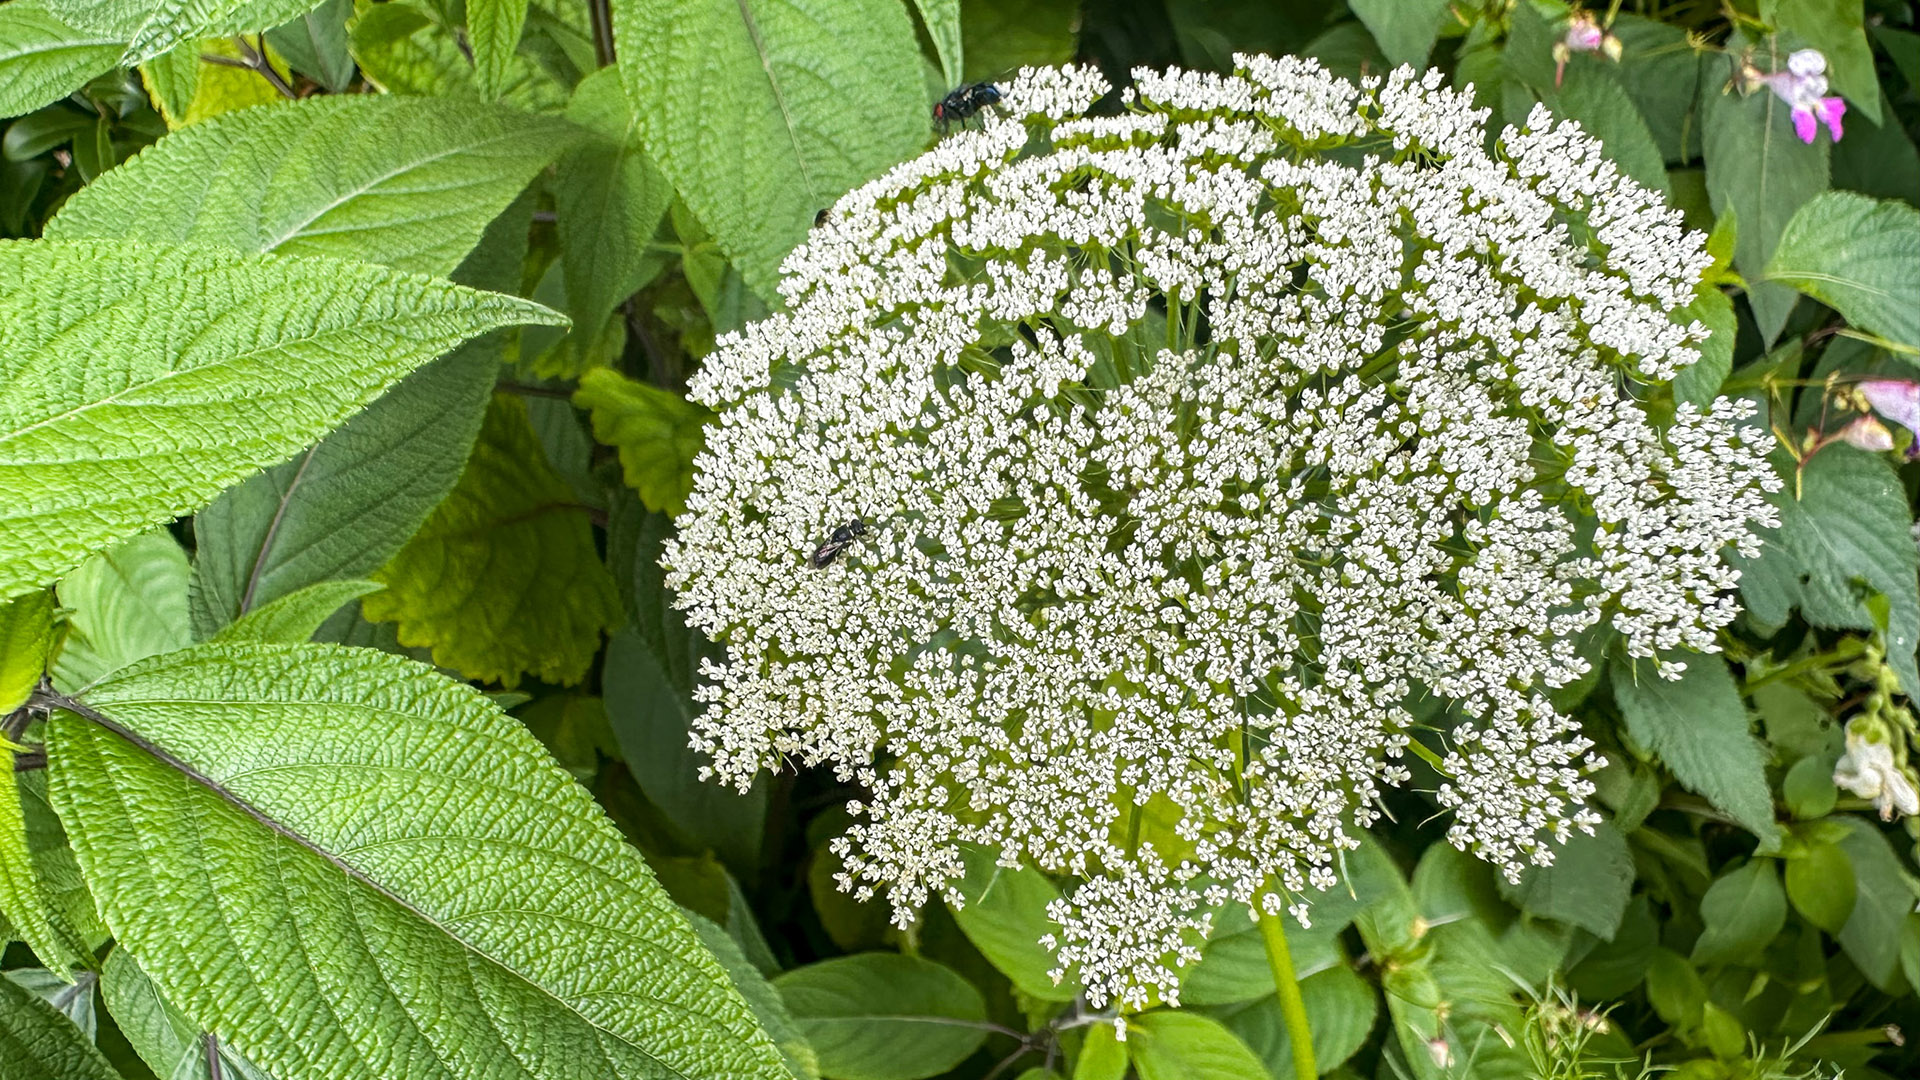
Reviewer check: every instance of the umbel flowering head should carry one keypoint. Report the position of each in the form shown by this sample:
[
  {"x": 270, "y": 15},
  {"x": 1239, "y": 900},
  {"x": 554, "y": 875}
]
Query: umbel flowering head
[{"x": 1201, "y": 449}]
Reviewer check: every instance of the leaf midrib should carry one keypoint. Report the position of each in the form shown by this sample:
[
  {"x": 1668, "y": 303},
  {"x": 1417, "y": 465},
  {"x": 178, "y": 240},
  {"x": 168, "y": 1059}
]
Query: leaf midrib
[
  {"x": 779, "y": 97},
  {"x": 194, "y": 775}
]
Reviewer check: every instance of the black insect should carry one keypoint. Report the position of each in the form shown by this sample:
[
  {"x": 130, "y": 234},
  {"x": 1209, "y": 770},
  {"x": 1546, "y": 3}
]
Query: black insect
[
  {"x": 820, "y": 218},
  {"x": 964, "y": 104},
  {"x": 842, "y": 538}
]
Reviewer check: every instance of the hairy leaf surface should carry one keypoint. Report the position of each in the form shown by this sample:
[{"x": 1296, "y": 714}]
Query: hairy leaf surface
[
  {"x": 38, "y": 1043},
  {"x": 353, "y": 867},
  {"x": 43, "y": 59},
  {"x": 151, "y": 27},
  {"x": 137, "y": 381},
  {"x": 1856, "y": 255},
  {"x": 1699, "y": 727},
  {"x": 407, "y": 182},
  {"x": 504, "y": 578},
  {"x": 763, "y": 112}
]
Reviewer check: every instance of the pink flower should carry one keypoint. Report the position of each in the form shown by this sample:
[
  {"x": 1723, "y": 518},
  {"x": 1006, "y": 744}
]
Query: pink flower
[
  {"x": 1803, "y": 86},
  {"x": 1583, "y": 35},
  {"x": 1899, "y": 401},
  {"x": 1867, "y": 434}
]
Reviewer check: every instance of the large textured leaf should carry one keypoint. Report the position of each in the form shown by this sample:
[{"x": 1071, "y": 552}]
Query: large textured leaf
[
  {"x": 151, "y": 27},
  {"x": 493, "y": 33},
  {"x": 411, "y": 47},
  {"x": 504, "y": 578},
  {"x": 608, "y": 201},
  {"x": 1698, "y": 725},
  {"x": 124, "y": 604},
  {"x": 23, "y": 896},
  {"x": 657, "y": 432},
  {"x": 1848, "y": 533},
  {"x": 171, "y": 1045},
  {"x": 37, "y": 1043},
  {"x": 762, "y": 112},
  {"x": 342, "y": 508},
  {"x": 1757, "y": 169},
  {"x": 43, "y": 59},
  {"x": 1858, "y": 256},
  {"x": 26, "y": 641},
  {"x": 353, "y": 868},
  {"x": 885, "y": 1016},
  {"x": 137, "y": 381},
  {"x": 941, "y": 18},
  {"x": 407, "y": 182}
]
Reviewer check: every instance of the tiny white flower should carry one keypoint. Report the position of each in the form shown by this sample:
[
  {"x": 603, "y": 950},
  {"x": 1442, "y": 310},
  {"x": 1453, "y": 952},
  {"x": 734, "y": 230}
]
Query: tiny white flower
[
  {"x": 1868, "y": 770},
  {"x": 1188, "y": 455}
]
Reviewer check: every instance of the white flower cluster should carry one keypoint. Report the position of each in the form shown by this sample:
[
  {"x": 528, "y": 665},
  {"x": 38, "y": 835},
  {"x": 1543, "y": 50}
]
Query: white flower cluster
[{"x": 1194, "y": 444}]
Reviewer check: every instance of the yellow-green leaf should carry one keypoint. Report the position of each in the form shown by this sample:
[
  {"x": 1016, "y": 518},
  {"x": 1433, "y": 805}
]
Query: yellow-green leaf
[
  {"x": 657, "y": 432},
  {"x": 504, "y": 579}
]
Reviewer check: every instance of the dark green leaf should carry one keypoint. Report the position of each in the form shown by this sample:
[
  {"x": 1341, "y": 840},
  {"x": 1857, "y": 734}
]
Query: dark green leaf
[
  {"x": 884, "y": 1016},
  {"x": 1698, "y": 725},
  {"x": 1856, "y": 255},
  {"x": 1886, "y": 894},
  {"x": 316, "y": 44},
  {"x": 38, "y": 1043},
  {"x": 1405, "y": 29},
  {"x": 1587, "y": 885},
  {"x": 1820, "y": 883},
  {"x": 1341, "y": 1010},
  {"x": 1742, "y": 910},
  {"x": 1171, "y": 1045}
]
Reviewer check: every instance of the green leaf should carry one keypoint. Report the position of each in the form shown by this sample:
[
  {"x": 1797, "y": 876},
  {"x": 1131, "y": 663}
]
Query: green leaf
[
  {"x": 171, "y": 1045},
  {"x": 1587, "y": 886},
  {"x": 412, "y": 47},
  {"x": 1000, "y": 36},
  {"x": 24, "y": 901},
  {"x": 1838, "y": 29},
  {"x": 1856, "y": 255},
  {"x": 1886, "y": 894},
  {"x": 124, "y": 604},
  {"x": 761, "y": 996},
  {"x": 1102, "y": 1057},
  {"x": 1700, "y": 383},
  {"x": 608, "y": 202},
  {"x": 1005, "y": 916},
  {"x": 43, "y": 59},
  {"x": 762, "y": 114},
  {"x": 152, "y": 27},
  {"x": 657, "y": 432},
  {"x": 1675, "y": 989},
  {"x": 343, "y": 507},
  {"x": 316, "y": 44},
  {"x": 38, "y": 1043},
  {"x": 1808, "y": 790},
  {"x": 26, "y": 642},
  {"x": 1743, "y": 910},
  {"x": 1594, "y": 96},
  {"x": 1848, "y": 533},
  {"x": 1170, "y": 1045},
  {"x": 1820, "y": 883},
  {"x": 407, "y": 182},
  {"x": 1405, "y": 29},
  {"x": 941, "y": 18},
  {"x": 1661, "y": 72},
  {"x": 651, "y": 670},
  {"x": 1759, "y": 170},
  {"x": 885, "y": 1016},
  {"x": 504, "y": 578},
  {"x": 292, "y": 619},
  {"x": 390, "y": 875},
  {"x": 138, "y": 381},
  {"x": 1698, "y": 726},
  {"x": 1341, "y": 1010},
  {"x": 493, "y": 33}
]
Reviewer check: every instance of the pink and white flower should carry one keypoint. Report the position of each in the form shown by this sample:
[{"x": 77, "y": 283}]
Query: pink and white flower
[{"x": 1803, "y": 86}]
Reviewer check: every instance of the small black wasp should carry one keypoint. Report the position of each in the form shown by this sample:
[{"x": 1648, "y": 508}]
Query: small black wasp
[
  {"x": 964, "y": 104},
  {"x": 842, "y": 538}
]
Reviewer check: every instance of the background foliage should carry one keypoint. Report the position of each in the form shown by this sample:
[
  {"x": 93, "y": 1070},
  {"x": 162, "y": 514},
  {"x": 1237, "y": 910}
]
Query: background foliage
[{"x": 414, "y": 888}]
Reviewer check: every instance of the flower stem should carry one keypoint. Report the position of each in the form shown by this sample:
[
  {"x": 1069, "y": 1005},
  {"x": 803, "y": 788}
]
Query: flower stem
[{"x": 1293, "y": 1007}]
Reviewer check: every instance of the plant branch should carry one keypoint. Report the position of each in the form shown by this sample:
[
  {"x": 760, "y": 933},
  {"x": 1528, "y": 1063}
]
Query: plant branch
[
  {"x": 255, "y": 55},
  {"x": 1293, "y": 1007},
  {"x": 600, "y": 14}
]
